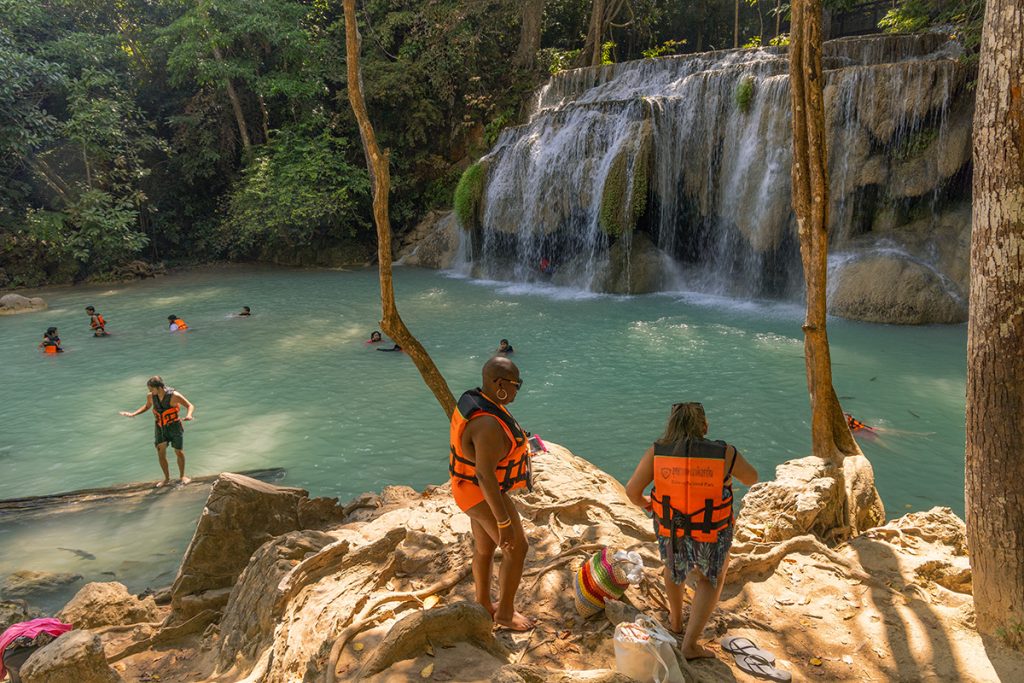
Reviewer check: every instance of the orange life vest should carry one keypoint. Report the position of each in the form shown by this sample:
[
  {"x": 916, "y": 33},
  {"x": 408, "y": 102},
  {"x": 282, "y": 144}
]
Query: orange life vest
[
  {"x": 97, "y": 322},
  {"x": 514, "y": 471},
  {"x": 690, "y": 497},
  {"x": 51, "y": 349},
  {"x": 180, "y": 323},
  {"x": 163, "y": 411},
  {"x": 854, "y": 424},
  {"x": 51, "y": 344}
]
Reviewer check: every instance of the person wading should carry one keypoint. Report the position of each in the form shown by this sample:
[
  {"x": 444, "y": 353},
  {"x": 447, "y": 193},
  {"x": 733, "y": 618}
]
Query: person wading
[
  {"x": 490, "y": 457},
  {"x": 166, "y": 404}
]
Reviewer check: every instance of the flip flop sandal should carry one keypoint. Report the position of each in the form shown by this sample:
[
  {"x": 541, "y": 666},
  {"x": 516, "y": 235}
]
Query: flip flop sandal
[
  {"x": 756, "y": 666},
  {"x": 739, "y": 646}
]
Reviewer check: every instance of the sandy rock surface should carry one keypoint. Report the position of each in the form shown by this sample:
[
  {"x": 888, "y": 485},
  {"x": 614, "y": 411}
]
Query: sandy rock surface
[
  {"x": 107, "y": 604},
  {"x": 27, "y": 581},
  {"x": 11, "y": 304},
  {"x": 74, "y": 656}
]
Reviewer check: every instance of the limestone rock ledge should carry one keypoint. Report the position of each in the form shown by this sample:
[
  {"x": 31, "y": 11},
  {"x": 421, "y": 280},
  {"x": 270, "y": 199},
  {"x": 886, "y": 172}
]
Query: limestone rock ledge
[
  {"x": 11, "y": 304},
  {"x": 385, "y": 594}
]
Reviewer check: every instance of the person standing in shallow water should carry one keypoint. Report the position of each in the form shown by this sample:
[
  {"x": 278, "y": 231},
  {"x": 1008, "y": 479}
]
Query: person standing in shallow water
[
  {"x": 690, "y": 540},
  {"x": 166, "y": 404},
  {"x": 490, "y": 457}
]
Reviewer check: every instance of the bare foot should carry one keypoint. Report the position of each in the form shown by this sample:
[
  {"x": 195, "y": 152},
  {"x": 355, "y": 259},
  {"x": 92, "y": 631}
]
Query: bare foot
[
  {"x": 165, "y": 482},
  {"x": 698, "y": 652},
  {"x": 518, "y": 622},
  {"x": 186, "y": 480}
]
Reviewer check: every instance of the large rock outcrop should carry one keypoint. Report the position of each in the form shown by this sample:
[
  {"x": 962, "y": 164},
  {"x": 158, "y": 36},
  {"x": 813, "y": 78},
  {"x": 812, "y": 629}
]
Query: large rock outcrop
[
  {"x": 75, "y": 657},
  {"x": 241, "y": 514},
  {"x": 11, "y": 304},
  {"x": 433, "y": 243},
  {"x": 26, "y": 582},
  {"x": 107, "y": 604}
]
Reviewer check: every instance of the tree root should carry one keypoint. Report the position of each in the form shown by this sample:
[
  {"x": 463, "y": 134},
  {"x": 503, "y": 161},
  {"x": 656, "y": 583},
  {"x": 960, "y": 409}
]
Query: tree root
[
  {"x": 366, "y": 617},
  {"x": 745, "y": 563},
  {"x": 168, "y": 634},
  {"x": 561, "y": 559}
]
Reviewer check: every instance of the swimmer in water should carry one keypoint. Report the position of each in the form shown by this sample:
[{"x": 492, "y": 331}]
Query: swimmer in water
[
  {"x": 856, "y": 425},
  {"x": 396, "y": 347},
  {"x": 504, "y": 348},
  {"x": 175, "y": 324},
  {"x": 245, "y": 313},
  {"x": 96, "y": 322},
  {"x": 51, "y": 342},
  {"x": 375, "y": 338}
]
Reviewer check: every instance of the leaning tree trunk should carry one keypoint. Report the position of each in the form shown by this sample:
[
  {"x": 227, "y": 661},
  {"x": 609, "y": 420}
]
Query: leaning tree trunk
[
  {"x": 995, "y": 334},
  {"x": 236, "y": 104},
  {"x": 736, "y": 26},
  {"x": 380, "y": 182},
  {"x": 529, "y": 35},
  {"x": 830, "y": 437}
]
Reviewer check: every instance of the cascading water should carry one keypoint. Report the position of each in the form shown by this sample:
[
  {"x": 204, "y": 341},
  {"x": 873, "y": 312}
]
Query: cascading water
[{"x": 675, "y": 172}]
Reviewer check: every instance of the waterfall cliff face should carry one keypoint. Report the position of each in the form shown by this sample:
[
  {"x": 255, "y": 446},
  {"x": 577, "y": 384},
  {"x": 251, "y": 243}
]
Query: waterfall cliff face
[{"x": 675, "y": 172}]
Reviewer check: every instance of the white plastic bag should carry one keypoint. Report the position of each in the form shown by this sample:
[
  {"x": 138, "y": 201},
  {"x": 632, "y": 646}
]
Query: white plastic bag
[
  {"x": 644, "y": 651},
  {"x": 632, "y": 564}
]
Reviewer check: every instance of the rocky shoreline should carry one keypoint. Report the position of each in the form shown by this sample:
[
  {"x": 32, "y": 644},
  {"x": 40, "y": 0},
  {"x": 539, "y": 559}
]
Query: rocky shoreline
[{"x": 278, "y": 587}]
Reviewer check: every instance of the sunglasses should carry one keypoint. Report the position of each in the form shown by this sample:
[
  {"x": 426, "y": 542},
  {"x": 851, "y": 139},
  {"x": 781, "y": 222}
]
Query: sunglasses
[{"x": 517, "y": 383}]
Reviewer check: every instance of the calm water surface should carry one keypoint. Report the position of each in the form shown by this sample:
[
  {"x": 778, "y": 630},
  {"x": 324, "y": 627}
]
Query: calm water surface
[{"x": 295, "y": 387}]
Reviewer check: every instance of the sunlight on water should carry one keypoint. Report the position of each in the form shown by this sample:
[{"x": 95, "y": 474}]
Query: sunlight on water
[{"x": 295, "y": 387}]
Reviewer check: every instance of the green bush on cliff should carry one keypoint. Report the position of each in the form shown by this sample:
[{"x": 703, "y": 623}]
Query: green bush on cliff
[
  {"x": 622, "y": 205},
  {"x": 468, "y": 195},
  {"x": 745, "y": 94}
]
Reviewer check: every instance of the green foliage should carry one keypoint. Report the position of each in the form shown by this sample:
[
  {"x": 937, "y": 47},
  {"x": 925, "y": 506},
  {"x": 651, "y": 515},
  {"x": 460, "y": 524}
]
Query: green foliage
[
  {"x": 781, "y": 39},
  {"x": 469, "y": 195},
  {"x": 606, "y": 52},
  {"x": 298, "y": 190},
  {"x": 963, "y": 17},
  {"x": 559, "y": 60},
  {"x": 491, "y": 131},
  {"x": 754, "y": 41},
  {"x": 915, "y": 143},
  {"x": 745, "y": 94},
  {"x": 669, "y": 47}
]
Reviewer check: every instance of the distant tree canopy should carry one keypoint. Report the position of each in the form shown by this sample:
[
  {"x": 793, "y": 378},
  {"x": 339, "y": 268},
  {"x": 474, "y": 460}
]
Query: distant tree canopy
[{"x": 198, "y": 130}]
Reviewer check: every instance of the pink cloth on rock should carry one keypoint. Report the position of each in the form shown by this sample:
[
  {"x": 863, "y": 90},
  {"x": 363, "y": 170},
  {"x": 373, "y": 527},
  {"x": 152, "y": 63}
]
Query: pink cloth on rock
[{"x": 29, "y": 629}]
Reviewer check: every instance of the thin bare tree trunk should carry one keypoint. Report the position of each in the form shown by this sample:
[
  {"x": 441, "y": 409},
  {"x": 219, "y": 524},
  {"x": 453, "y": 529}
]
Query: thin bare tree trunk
[
  {"x": 236, "y": 104},
  {"x": 265, "y": 115},
  {"x": 994, "y": 460},
  {"x": 591, "y": 54},
  {"x": 736, "y": 26},
  {"x": 529, "y": 36},
  {"x": 778, "y": 17},
  {"x": 380, "y": 181},
  {"x": 830, "y": 437}
]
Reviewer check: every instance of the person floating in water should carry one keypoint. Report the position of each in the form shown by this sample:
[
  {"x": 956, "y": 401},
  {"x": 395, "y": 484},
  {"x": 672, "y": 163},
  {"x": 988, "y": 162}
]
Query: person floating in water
[
  {"x": 856, "y": 425},
  {"x": 489, "y": 458},
  {"x": 51, "y": 342},
  {"x": 504, "y": 347},
  {"x": 375, "y": 338},
  {"x": 686, "y": 468},
  {"x": 166, "y": 404},
  {"x": 176, "y": 324},
  {"x": 396, "y": 347},
  {"x": 96, "y": 322},
  {"x": 245, "y": 312}
]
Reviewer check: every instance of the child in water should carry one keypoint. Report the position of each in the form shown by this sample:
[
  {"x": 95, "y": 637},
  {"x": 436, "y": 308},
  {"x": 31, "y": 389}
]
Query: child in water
[
  {"x": 51, "y": 342},
  {"x": 176, "y": 324},
  {"x": 375, "y": 338},
  {"x": 96, "y": 322},
  {"x": 244, "y": 313},
  {"x": 504, "y": 348}
]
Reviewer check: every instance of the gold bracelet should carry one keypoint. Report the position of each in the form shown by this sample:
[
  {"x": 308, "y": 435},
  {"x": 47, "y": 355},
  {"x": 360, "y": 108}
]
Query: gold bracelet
[{"x": 506, "y": 524}]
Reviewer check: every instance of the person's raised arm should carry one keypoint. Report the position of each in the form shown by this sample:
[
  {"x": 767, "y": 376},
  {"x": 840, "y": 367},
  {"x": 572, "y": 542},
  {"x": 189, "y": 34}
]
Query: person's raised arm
[
  {"x": 147, "y": 406},
  {"x": 642, "y": 476},
  {"x": 179, "y": 399}
]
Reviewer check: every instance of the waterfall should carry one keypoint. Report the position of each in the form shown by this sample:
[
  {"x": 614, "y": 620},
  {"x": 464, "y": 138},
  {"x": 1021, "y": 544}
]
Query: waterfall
[{"x": 675, "y": 172}]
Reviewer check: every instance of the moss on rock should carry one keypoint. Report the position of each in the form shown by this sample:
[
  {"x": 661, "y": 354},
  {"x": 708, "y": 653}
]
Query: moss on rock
[
  {"x": 469, "y": 195},
  {"x": 624, "y": 197}
]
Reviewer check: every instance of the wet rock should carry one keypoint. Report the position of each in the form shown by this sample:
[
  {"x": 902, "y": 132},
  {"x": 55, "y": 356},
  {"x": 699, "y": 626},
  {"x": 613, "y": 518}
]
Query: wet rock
[
  {"x": 890, "y": 288},
  {"x": 433, "y": 243},
  {"x": 26, "y": 582},
  {"x": 14, "y": 611},
  {"x": 635, "y": 266},
  {"x": 11, "y": 304},
  {"x": 75, "y": 656},
  {"x": 241, "y": 514},
  {"x": 107, "y": 604}
]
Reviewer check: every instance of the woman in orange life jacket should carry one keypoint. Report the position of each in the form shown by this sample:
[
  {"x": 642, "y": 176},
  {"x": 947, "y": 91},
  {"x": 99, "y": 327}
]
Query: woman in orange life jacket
[
  {"x": 51, "y": 342},
  {"x": 489, "y": 457},
  {"x": 692, "y": 506},
  {"x": 166, "y": 404}
]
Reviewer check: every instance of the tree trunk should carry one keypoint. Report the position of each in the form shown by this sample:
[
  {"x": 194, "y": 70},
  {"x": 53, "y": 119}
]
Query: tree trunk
[
  {"x": 265, "y": 116},
  {"x": 830, "y": 437},
  {"x": 529, "y": 35},
  {"x": 236, "y": 104},
  {"x": 736, "y": 26},
  {"x": 995, "y": 335},
  {"x": 591, "y": 53},
  {"x": 778, "y": 17},
  {"x": 380, "y": 183}
]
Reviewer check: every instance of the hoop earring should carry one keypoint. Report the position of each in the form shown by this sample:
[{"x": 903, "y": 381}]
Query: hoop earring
[{"x": 501, "y": 394}]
